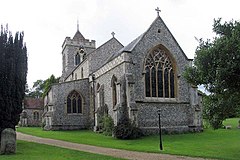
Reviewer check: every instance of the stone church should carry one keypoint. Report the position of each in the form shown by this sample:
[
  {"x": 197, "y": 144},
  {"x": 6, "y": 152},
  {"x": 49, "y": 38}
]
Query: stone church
[{"x": 145, "y": 76}]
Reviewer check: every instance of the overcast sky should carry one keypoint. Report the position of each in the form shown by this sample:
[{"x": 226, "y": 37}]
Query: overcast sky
[{"x": 46, "y": 23}]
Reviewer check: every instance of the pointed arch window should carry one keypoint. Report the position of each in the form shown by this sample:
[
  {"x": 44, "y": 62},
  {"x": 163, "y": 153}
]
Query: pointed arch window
[
  {"x": 74, "y": 102},
  {"x": 77, "y": 58},
  {"x": 114, "y": 90},
  {"x": 159, "y": 75}
]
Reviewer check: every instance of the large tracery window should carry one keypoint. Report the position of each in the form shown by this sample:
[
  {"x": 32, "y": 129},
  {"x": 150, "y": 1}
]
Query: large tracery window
[
  {"x": 159, "y": 75},
  {"x": 74, "y": 103}
]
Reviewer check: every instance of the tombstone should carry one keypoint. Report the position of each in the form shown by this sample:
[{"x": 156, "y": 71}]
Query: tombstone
[{"x": 8, "y": 141}]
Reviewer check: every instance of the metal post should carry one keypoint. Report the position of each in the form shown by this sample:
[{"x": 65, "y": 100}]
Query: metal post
[
  {"x": 160, "y": 129},
  {"x": 94, "y": 109}
]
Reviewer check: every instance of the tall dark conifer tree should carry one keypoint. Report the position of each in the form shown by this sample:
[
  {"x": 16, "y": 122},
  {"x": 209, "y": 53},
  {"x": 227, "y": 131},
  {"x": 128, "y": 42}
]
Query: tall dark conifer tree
[{"x": 13, "y": 72}]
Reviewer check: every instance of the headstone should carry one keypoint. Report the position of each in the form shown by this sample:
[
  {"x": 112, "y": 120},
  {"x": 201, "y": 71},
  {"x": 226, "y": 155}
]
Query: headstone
[{"x": 8, "y": 141}]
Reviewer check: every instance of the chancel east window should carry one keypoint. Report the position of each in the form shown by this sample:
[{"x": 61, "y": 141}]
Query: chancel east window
[
  {"x": 74, "y": 103},
  {"x": 159, "y": 75}
]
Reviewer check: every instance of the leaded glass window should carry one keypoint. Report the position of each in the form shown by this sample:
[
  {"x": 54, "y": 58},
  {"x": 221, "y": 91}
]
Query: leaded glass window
[
  {"x": 74, "y": 103},
  {"x": 159, "y": 75}
]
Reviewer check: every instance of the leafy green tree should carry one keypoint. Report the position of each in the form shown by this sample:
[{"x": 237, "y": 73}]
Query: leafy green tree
[
  {"x": 13, "y": 72},
  {"x": 40, "y": 87},
  {"x": 37, "y": 90},
  {"x": 216, "y": 66},
  {"x": 48, "y": 82}
]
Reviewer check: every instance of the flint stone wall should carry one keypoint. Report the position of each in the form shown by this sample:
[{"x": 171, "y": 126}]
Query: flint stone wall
[{"x": 61, "y": 120}]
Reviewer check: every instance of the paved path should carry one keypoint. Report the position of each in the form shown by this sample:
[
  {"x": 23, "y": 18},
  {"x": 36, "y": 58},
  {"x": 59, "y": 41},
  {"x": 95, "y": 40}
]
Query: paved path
[{"x": 101, "y": 150}]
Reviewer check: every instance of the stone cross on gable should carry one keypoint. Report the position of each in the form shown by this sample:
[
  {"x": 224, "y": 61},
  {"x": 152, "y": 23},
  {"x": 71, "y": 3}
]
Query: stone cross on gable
[
  {"x": 113, "y": 34},
  {"x": 158, "y": 10}
]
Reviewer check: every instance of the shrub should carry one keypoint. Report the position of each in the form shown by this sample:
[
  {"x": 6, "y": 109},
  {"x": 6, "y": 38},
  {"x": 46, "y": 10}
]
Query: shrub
[
  {"x": 216, "y": 122},
  {"x": 106, "y": 125},
  {"x": 126, "y": 130}
]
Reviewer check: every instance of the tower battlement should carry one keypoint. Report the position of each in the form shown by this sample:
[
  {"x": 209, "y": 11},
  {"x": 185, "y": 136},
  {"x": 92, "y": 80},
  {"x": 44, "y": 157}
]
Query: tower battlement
[{"x": 82, "y": 42}]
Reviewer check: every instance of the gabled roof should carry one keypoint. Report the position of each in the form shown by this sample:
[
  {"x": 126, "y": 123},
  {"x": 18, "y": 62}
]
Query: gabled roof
[
  {"x": 103, "y": 48},
  {"x": 129, "y": 48},
  {"x": 105, "y": 51},
  {"x": 106, "y": 43},
  {"x": 33, "y": 103}
]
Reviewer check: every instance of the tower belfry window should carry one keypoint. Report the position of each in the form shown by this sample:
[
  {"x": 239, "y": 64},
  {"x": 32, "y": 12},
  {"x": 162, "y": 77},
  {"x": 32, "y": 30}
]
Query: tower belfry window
[
  {"x": 159, "y": 75},
  {"x": 77, "y": 58}
]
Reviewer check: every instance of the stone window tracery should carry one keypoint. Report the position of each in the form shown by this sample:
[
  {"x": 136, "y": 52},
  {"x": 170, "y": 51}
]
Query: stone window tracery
[
  {"x": 159, "y": 75},
  {"x": 74, "y": 103}
]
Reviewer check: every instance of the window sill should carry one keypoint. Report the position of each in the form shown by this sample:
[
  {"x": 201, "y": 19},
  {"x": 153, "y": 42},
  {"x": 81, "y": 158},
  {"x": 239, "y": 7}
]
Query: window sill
[
  {"x": 160, "y": 100},
  {"x": 72, "y": 114}
]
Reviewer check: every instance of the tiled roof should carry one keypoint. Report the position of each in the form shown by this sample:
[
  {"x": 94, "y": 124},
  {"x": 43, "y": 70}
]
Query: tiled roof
[{"x": 33, "y": 103}]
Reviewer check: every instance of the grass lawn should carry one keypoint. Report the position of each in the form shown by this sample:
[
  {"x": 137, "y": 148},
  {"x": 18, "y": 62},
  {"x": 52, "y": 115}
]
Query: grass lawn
[
  {"x": 29, "y": 150},
  {"x": 220, "y": 144}
]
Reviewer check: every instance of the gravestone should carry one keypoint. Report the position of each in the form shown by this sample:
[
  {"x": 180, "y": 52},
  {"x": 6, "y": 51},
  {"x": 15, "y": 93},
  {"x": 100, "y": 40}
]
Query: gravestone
[{"x": 8, "y": 141}]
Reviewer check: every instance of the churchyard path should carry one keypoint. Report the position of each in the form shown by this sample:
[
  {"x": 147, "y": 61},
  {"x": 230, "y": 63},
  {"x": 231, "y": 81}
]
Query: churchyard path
[{"x": 132, "y": 155}]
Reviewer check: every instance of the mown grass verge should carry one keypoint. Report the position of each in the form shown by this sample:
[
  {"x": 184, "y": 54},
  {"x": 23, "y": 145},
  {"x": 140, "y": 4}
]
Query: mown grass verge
[
  {"x": 220, "y": 144},
  {"x": 34, "y": 151}
]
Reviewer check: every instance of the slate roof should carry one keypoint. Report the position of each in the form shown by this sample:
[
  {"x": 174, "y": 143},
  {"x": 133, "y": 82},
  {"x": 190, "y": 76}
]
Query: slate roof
[
  {"x": 127, "y": 48},
  {"x": 103, "y": 52}
]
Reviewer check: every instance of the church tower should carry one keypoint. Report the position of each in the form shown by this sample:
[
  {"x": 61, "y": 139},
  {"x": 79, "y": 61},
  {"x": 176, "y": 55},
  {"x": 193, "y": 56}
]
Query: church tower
[{"x": 75, "y": 51}]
